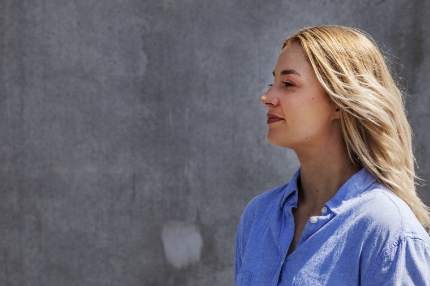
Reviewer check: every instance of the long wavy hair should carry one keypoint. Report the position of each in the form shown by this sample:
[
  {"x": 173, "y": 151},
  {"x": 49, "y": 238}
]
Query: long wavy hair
[{"x": 378, "y": 137}]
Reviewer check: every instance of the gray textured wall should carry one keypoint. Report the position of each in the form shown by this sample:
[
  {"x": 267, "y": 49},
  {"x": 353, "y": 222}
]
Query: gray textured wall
[{"x": 129, "y": 126}]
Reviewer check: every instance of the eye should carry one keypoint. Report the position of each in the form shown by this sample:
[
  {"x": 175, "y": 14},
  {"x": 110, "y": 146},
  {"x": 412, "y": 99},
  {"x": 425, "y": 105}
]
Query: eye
[
  {"x": 270, "y": 84},
  {"x": 286, "y": 83}
]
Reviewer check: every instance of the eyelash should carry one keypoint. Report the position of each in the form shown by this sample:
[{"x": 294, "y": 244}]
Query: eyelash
[{"x": 286, "y": 84}]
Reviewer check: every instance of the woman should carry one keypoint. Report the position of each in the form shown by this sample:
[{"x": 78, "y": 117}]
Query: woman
[{"x": 350, "y": 215}]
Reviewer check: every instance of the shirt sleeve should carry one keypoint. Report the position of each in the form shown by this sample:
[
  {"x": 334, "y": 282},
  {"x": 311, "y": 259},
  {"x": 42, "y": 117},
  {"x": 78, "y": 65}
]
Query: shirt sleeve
[
  {"x": 406, "y": 262},
  {"x": 238, "y": 254}
]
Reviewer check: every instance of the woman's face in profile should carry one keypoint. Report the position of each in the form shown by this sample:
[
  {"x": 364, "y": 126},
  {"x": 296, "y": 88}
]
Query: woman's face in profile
[{"x": 300, "y": 113}]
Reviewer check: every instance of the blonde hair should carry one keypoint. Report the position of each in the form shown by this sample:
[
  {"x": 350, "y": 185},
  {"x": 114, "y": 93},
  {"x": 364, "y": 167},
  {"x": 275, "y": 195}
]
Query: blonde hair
[{"x": 351, "y": 68}]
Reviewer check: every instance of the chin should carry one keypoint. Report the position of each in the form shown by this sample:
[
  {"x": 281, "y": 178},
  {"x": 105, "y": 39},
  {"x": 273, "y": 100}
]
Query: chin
[
  {"x": 275, "y": 140},
  {"x": 283, "y": 141}
]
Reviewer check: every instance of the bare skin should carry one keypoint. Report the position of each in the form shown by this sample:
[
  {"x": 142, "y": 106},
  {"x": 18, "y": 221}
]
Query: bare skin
[{"x": 308, "y": 122}]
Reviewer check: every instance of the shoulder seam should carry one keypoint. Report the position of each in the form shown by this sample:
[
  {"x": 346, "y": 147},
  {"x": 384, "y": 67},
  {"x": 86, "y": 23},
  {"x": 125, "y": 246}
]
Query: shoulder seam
[{"x": 383, "y": 256}]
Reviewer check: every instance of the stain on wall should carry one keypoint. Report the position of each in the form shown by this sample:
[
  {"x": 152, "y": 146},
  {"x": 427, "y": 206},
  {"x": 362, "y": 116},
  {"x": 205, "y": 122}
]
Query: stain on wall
[{"x": 182, "y": 243}]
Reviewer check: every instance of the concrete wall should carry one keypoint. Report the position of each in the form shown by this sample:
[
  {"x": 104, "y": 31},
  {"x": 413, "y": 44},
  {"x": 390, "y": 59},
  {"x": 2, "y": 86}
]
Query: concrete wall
[{"x": 131, "y": 135}]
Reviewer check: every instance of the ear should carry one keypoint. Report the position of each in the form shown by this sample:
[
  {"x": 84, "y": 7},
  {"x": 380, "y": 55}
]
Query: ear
[{"x": 336, "y": 113}]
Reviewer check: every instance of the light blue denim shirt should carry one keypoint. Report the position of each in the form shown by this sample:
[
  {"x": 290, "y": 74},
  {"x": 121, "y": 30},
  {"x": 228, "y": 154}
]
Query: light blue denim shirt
[{"x": 366, "y": 235}]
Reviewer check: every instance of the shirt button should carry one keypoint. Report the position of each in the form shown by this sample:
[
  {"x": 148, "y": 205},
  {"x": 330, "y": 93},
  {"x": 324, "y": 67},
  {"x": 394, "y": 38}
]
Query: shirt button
[
  {"x": 313, "y": 219},
  {"x": 324, "y": 210}
]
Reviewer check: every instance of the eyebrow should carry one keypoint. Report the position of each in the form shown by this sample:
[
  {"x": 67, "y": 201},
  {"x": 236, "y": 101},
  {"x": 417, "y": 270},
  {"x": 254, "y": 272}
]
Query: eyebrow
[{"x": 286, "y": 72}]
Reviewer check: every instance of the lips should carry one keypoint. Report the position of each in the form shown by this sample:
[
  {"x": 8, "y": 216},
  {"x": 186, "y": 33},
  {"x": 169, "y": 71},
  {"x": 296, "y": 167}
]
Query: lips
[{"x": 271, "y": 118}]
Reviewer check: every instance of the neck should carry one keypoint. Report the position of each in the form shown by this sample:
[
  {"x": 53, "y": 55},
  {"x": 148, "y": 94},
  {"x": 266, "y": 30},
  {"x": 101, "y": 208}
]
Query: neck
[{"x": 322, "y": 172}]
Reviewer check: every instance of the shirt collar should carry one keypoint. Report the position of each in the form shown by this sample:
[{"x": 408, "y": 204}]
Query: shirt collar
[
  {"x": 291, "y": 193},
  {"x": 355, "y": 185}
]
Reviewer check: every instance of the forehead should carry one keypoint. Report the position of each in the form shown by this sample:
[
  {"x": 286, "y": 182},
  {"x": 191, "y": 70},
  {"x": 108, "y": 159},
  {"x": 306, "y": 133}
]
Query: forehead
[{"x": 293, "y": 57}]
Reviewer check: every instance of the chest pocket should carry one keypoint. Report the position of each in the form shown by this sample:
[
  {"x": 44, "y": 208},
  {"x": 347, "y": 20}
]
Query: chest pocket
[{"x": 243, "y": 278}]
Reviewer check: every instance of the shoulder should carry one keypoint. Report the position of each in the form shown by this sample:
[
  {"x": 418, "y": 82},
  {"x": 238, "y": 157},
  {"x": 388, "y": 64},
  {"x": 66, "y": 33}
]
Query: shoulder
[
  {"x": 390, "y": 237},
  {"x": 260, "y": 210},
  {"x": 380, "y": 220},
  {"x": 406, "y": 260},
  {"x": 401, "y": 246},
  {"x": 384, "y": 211},
  {"x": 256, "y": 216},
  {"x": 264, "y": 202}
]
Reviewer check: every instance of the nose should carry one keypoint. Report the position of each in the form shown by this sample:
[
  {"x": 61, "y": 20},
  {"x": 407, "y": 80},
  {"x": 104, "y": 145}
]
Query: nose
[{"x": 269, "y": 99}]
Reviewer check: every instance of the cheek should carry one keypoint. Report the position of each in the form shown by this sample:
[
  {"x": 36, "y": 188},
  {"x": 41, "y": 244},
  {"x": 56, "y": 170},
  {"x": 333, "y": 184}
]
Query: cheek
[
  {"x": 318, "y": 104},
  {"x": 313, "y": 116},
  {"x": 290, "y": 105}
]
